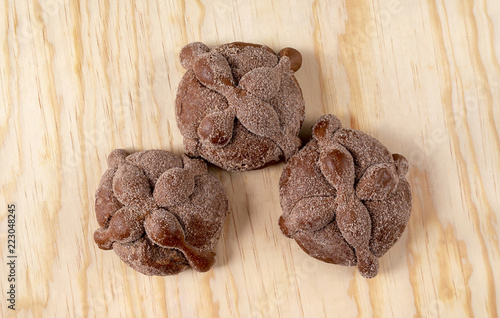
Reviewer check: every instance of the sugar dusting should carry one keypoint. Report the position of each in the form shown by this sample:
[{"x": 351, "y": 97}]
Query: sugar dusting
[
  {"x": 125, "y": 198},
  {"x": 350, "y": 228},
  {"x": 269, "y": 107}
]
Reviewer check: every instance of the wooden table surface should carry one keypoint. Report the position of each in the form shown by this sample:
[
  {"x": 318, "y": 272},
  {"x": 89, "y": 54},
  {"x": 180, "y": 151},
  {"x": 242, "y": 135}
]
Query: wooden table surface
[{"x": 79, "y": 79}]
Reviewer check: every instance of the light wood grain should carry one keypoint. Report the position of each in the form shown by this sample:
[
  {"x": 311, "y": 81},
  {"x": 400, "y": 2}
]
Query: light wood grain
[{"x": 80, "y": 78}]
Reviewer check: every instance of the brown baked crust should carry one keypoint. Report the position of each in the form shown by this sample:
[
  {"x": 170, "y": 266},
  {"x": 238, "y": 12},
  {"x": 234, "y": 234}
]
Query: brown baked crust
[
  {"x": 344, "y": 197},
  {"x": 159, "y": 212},
  {"x": 239, "y": 105}
]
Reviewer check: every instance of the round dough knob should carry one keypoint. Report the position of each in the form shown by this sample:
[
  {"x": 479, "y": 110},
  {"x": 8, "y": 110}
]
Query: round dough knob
[{"x": 173, "y": 187}]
